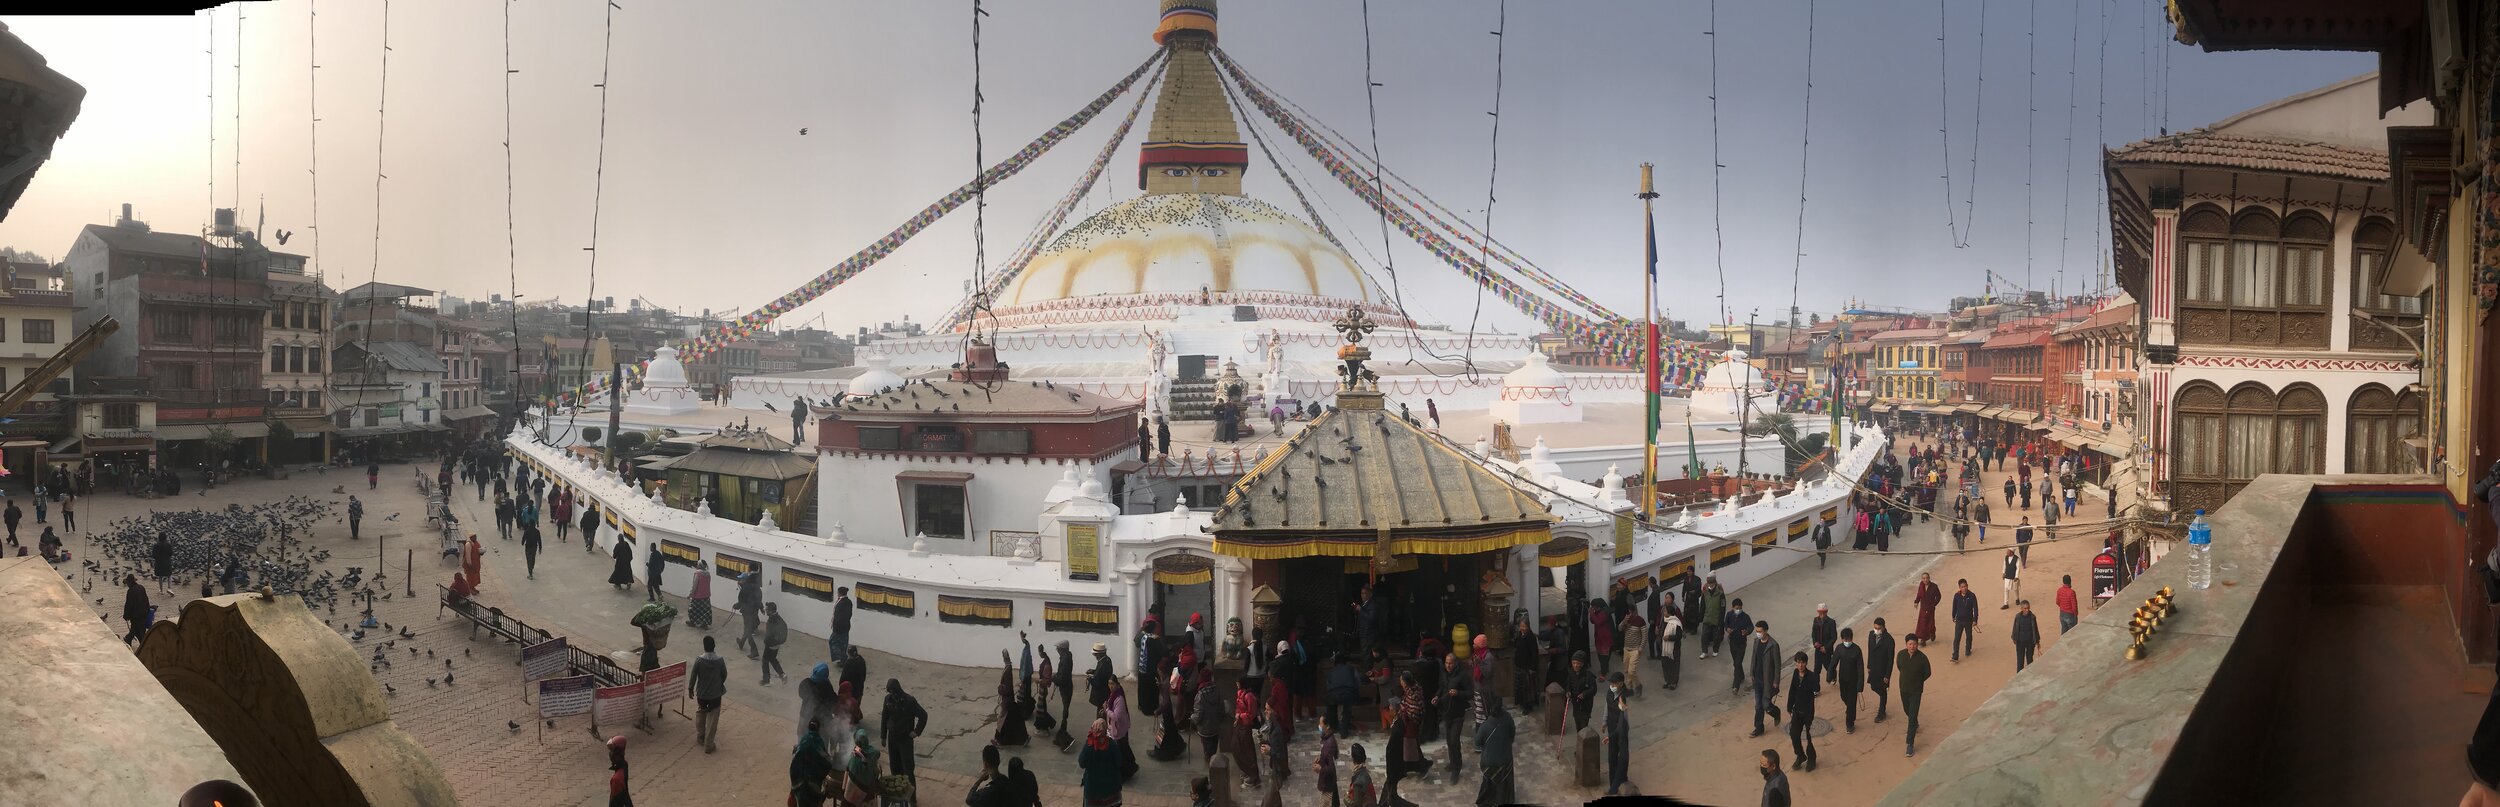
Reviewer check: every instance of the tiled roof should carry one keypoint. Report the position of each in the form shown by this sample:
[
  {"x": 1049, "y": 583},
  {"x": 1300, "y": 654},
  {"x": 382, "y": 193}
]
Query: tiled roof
[
  {"x": 151, "y": 242},
  {"x": 405, "y": 356},
  {"x": 2027, "y": 338},
  {"x": 1368, "y": 470},
  {"x": 2211, "y": 149}
]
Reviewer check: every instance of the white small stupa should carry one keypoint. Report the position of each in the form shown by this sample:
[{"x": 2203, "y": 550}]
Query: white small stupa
[
  {"x": 879, "y": 376},
  {"x": 1535, "y": 393},
  {"x": 664, "y": 388},
  {"x": 1726, "y": 385}
]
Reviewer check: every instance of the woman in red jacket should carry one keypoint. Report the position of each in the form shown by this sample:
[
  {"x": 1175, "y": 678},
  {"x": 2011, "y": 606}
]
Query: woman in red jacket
[{"x": 1602, "y": 635}]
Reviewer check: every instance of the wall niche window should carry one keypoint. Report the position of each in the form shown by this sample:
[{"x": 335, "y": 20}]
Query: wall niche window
[{"x": 2254, "y": 278}]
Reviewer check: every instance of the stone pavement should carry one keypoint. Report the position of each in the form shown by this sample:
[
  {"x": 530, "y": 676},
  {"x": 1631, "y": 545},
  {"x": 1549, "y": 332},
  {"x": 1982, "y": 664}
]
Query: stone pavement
[{"x": 1691, "y": 740}]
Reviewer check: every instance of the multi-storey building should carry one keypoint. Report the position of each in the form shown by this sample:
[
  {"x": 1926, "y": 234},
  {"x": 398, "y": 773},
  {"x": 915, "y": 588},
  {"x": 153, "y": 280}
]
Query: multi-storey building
[
  {"x": 2014, "y": 357},
  {"x": 2257, "y": 245},
  {"x": 192, "y": 313},
  {"x": 379, "y": 388},
  {"x": 298, "y": 375},
  {"x": 1907, "y": 365},
  {"x": 35, "y": 321}
]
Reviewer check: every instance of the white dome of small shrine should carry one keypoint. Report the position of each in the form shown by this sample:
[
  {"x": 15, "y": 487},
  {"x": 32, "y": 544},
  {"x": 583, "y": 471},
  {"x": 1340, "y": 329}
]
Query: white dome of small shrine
[
  {"x": 666, "y": 371},
  {"x": 1536, "y": 373},
  {"x": 879, "y": 377},
  {"x": 1733, "y": 374}
]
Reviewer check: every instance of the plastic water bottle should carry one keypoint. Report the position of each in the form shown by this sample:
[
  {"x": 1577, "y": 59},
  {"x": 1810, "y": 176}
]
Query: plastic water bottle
[{"x": 2200, "y": 552}]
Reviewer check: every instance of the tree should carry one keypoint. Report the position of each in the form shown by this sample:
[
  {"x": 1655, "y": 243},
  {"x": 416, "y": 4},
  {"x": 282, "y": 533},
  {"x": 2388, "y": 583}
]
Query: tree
[
  {"x": 626, "y": 442},
  {"x": 590, "y": 434},
  {"x": 1814, "y": 319}
]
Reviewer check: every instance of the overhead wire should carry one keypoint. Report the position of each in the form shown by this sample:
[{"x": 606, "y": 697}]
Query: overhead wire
[
  {"x": 1493, "y": 174},
  {"x": 1805, "y": 152},
  {"x": 382, "y": 119},
  {"x": 511, "y": 237},
  {"x": 2066, "y": 212},
  {"x": 980, "y": 195},
  {"x": 2100, "y": 134},
  {"x": 237, "y": 190},
  {"x": 1960, "y": 229},
  {"x": 1388, "y": 246},
  {"x": 2031, "y": 147},
  {"x": 598, "y": 193},
  {"x": 1718, "y": 220}
]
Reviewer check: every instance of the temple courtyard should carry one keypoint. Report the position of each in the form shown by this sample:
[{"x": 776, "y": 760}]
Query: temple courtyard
[{"x": 1692, "y": 741}]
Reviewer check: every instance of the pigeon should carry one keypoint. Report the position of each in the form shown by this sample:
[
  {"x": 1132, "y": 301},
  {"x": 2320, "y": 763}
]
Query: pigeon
[
  {"x": 391, "y": 517},
  {"x": 464, "y": 653},
  {"x": 551, "y": 724},
  {"x": 446, "y": 662},
  {"x": 429, "y": 653},
  {"x": 446, "y": 679},
  {"x": 512, "y": 726},
  {"x": 339, "y": 489},
  {"x": 802, "y": 133},
  {"x": 768, "y": 407},
  {"x": 429, "y": 683},
  {"x": 388, "y": 689}
]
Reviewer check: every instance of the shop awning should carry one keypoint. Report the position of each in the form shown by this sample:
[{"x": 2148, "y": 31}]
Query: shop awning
[
  {"x": 177, "y": 433},
  {"x": 306, "y": 427},
  {"x": 1991, "y": 412},
  {"x": 1970, "y": 407},
  {"x": 467, "y": 412},
  {"x": 2017, "y": 416}
]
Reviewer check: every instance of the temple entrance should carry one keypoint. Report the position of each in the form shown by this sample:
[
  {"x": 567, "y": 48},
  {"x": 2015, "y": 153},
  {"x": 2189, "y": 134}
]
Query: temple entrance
[
  {"x": 1418, "y": 596},
  {"x": 1184, "y": 585}
]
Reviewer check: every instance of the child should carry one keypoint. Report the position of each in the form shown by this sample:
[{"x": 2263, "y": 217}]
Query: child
[
  {"x": 1358, "y": 789},
  {"x": 1324, "y": 766}
]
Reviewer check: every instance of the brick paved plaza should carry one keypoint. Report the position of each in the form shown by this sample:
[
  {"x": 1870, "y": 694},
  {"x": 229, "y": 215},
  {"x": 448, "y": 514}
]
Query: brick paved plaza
[{"x": 1692, "y": 740}]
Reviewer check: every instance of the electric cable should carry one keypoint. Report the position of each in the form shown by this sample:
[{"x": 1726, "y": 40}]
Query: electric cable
[
  {"x": 2066, "y": 212},
  {"x": 1960, "y": 229},
  {"x": 1718, "y": 221},
  {"x": 1493, "y": 174},
  {"x": 1805, "y": 151}
]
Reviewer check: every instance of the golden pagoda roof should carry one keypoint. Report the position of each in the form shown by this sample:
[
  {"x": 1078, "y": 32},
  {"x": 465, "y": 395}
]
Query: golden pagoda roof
[{"x": 1360, "y": 477}]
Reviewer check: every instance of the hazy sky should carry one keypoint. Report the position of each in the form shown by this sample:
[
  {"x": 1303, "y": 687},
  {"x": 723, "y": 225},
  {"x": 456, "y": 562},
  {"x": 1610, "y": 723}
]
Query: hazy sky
[{"x": 713, "y": 198}]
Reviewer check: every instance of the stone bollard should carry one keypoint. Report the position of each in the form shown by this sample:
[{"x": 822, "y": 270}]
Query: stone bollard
[
  {"x": 1557, "y": 709},
  {"x": 1220, "y": 779},
  {"x": 1588, "y": 758}
]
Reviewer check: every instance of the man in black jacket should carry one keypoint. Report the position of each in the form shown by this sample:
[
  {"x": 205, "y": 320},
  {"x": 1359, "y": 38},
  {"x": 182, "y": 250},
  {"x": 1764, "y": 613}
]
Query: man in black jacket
[
  {"x": 1098, "y": 680},
  {"x": 1739, "y": 638},
  {"x": 1965, "y": 619},
  {"x": 1879, "y": 649},
  {"x": 1063, "y": 678},
  {"x": 2026, "y": 635},
  {"x": 750, "y": 609},
  {"x": 1850, "y": 662},
  {"x": 1457, "y": 694},
  {"x": 855, "y": 675},
  {"x": 1914, "y": 669},
  {"x": 1803, "y": 684},
  {"x": 900, "y": 720},
  {"x": 1826, "y": 634},
  {"x": 841, "y": 637},
  {"x": 1582, "y": 687}
]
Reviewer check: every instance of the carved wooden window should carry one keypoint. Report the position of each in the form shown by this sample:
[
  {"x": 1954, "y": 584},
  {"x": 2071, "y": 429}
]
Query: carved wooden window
[
  {"x": 2254, "y": 278},
  {"x": 2379, "y": 423},
  {"x": 2196, "y": 446}
]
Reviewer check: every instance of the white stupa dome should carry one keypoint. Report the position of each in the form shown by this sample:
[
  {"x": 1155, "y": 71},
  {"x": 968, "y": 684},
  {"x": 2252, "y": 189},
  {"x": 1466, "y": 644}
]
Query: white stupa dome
[
  {"x": 665, "y": 372},
  {"x": 1734, "y": 374},
  {"x": 1182, "y": 242},
  {"x": 1536, "y": 373},
  {"x": 880, "y": 376}
]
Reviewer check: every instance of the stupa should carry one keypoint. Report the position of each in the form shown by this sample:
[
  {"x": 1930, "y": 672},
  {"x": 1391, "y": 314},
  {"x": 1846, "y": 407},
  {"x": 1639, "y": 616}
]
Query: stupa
[{"x": 664, "y": 388}]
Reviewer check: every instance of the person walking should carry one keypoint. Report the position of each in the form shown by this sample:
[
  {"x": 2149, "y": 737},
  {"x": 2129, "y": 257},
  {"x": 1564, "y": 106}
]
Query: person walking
[
  {"x": 2009, "y": 493},
  {"x": 1740, "y": 632},
  {"x": 1527, "y": 675},
  {"x": 1879, "y": 659},
  {"x": 1774, "y": 780},
  {"x": 2013, "y": 580},
  {"x": 819, "y": 702},
  {"x": 355, "y": 518},
  {"x": 503, "y": 517},
  {"x": 699, "y": 598},
  {"x": 750, "y": 608},
  {"x": 840, "y": 638},
  {"x": 1822, "y": 545},
  {"x": 1494, "y": 738},
  {"x": 560, "y": 511},
  {"x": 620, "y": 782},
  {"x": 900, "y": 721},
  {"x": 1825, "y": 633},
  {"x": 1617, "y": 734},
  {"x": 1927, "y": 597},
  {"x": 1453, "y": 702},
  {"x": 776, "y": 633},
  {"x": 590, "y": 528},
  {"x": 531, "y": 541},
  {"x": 1671, "y": 647},
  {"x": 2071, "y": 499},
  {"x": 1713, "y": 616},
  {"x": 1914, "y": 670},
  {"x": 707, "y": 681},
  {"x": 1635, "y": 644},
  {"x": 135, "y": 608},
  {"x": 1101, "y": 779},
  {"x": 69, "y": 513},
  {"x": 1979, "y": 518},
  {"x": 161, "y": 561},
  {"x": 1803, "y": 684},
  {"x": 652, "y": 567},
  {"x": 1581, "y": 687},
  {"x": 2026, "y": 635},
  {"x": 1211, "y": 715},
  {"x": 1245, "y": 733},
  {"x": 373, "y": 475},
  {"x": 1063, "y": 679},
  {"x": 1849, "y": 673},
  {"x": 1965, "y": 619},
  {"x": 622, "y": 576},
  {"x": 1766, "y": 678},
  {"x": 2067, "y": 605},
  {"x": 811, "y": 767},
  {"x": 2022, "y": 539}
]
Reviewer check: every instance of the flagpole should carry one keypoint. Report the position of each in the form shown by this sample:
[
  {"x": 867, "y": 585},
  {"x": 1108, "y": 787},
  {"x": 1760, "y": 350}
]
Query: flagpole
[{"x": 1649, "y": 356}]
